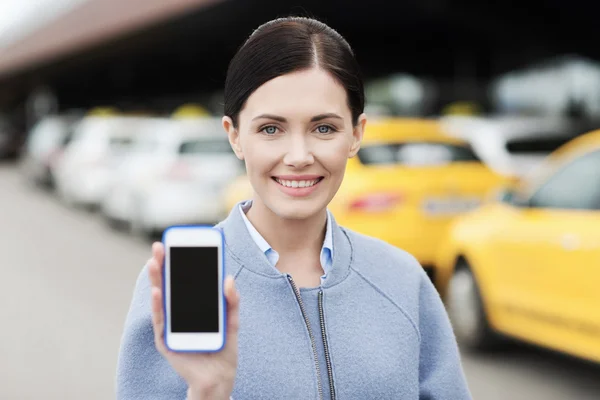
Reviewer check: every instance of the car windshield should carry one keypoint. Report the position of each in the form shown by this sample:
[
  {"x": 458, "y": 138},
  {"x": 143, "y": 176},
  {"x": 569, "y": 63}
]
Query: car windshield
[
  {"x": 416, "y": 154},
  {"x": 535, "y": 145}
]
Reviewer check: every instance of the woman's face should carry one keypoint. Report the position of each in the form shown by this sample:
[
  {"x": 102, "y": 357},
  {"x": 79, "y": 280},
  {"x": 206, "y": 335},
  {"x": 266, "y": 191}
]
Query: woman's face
[{"x": 295, "y": 134}]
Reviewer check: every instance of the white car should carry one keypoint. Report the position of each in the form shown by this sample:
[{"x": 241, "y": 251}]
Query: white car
[
  {"x": 43, "y": 147},
  {"x": 512, "y": 146},
  {"x": 85, "y": 169},
  {"x": 175, "y": 176}
]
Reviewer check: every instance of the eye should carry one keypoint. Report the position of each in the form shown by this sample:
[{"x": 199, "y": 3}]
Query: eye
[
  {"x": 324, "y": 129},
  {"x": 269, "y": 130}
]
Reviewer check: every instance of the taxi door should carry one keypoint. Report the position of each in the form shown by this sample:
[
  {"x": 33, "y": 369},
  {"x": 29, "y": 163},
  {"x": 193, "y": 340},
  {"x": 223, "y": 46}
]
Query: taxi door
[{"x": 550, "y": 255}]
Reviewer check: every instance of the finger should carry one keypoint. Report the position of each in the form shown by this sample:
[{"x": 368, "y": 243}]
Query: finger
[
  {"x": 158, "y": 252},
  {"x": 233, "y": 306},
  {"x": 158, "y": 320},
  {"x": 155, "y": 265},
  {"x": 155, "y": 273}
]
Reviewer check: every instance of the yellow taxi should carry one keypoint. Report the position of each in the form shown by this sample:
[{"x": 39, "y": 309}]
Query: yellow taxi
[
  {"x": 405, "y": 186},
  {"x": 527, "y": 266}
]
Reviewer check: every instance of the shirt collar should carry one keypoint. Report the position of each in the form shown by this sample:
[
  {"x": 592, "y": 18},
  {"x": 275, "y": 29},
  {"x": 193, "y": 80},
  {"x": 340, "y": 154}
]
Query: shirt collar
[
  {"x": 242, "y": 250},
  {"x": 257, "y": 237},
  {"x": 266, "y": 247},
  {"x": 328, "y": 242}
]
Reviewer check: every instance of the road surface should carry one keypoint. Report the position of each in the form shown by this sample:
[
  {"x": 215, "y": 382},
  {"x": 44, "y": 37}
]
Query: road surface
[{"x": 67, "y": 282}]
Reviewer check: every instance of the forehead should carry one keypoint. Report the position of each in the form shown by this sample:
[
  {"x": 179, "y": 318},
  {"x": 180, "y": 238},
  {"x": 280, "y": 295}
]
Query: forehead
[{"x": 297, "y": 95}]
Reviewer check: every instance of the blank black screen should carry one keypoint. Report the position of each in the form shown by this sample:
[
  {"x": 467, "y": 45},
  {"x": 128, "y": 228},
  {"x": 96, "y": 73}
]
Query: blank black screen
[{"x": 194, "y": 289}]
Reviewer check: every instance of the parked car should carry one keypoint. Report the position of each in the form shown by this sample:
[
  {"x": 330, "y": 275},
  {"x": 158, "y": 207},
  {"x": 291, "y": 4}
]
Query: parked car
[
  {"x": 175, "y": 175},
  {"x": 44, "y": 145},
  {"x": 85, "y": 170},
  {"x": 528, "y": 266},
  {"x": 405, "y": 186},
  {"x": 512, "y": 146}
]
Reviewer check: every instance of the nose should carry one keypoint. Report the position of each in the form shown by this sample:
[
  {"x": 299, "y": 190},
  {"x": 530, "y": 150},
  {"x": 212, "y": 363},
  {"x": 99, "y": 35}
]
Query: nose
[{"x": 299, "y": 153}]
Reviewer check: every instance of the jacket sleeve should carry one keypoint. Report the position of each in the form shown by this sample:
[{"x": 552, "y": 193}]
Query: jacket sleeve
[
  {"x": 441, "y": 375},
  {"x": 142, "y": 372}
]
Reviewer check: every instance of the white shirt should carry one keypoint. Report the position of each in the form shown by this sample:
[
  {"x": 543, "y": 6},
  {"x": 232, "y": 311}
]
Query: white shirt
[{"x": 273, "y": 256}]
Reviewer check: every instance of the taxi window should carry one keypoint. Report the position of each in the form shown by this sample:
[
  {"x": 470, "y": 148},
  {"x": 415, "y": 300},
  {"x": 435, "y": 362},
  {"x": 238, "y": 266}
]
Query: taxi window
[
  {"x": 205, "y": 146},
  {"x": 539, "y": 145},
  {"x": 575, "y": 186},
  {"x": 416, "y": 154}
]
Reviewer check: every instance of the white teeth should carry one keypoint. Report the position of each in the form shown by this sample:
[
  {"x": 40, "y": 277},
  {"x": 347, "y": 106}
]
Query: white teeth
[{"x": 297, "y": 184}]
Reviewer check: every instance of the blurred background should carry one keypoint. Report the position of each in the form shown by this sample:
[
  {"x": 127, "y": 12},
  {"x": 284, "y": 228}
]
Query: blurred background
[{"x": 479, "y": 161}]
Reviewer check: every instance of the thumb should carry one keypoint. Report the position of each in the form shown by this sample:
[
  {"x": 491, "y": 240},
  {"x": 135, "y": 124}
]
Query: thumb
[{"x": 233, "y": 306}]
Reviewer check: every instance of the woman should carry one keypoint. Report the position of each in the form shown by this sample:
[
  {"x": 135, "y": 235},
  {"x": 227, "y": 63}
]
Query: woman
[{"x": 325, "y": 313}]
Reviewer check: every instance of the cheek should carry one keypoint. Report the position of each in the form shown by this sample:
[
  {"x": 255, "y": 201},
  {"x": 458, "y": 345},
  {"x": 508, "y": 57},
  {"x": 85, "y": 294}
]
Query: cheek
[
  {"x": 259, "y": 156},
  {"x": 334, "y": 155}
]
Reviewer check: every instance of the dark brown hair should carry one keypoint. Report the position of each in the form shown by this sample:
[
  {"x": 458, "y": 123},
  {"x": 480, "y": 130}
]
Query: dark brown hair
[{"x": 286, "y": 45}]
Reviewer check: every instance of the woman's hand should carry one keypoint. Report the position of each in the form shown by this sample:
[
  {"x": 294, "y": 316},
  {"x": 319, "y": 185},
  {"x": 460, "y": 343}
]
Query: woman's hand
[{"x": 208, "y": 375}]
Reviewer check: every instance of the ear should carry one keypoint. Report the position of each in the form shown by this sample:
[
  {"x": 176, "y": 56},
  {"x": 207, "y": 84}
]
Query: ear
[
  {"x": 234, "y": 137},
  {"x": 357, "y": 135}
]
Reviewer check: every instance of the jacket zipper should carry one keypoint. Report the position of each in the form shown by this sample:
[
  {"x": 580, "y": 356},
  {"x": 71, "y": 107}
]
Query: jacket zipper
[
  {"x": 326, "y": 347},
  {"x": 310, "y": 333}
]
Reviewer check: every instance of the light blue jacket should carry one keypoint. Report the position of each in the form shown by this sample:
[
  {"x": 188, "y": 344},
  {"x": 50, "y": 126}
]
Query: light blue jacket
[{"x": 375, "y": 329}]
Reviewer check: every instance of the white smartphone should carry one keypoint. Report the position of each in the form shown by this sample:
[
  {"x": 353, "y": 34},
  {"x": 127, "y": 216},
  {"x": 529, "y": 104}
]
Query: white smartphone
[{"x": 194, "y": 302}]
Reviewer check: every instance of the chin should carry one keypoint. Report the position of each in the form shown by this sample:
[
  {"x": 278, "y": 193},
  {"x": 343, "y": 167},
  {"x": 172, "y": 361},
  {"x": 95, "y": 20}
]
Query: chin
[{"x": 297, "y": 210}]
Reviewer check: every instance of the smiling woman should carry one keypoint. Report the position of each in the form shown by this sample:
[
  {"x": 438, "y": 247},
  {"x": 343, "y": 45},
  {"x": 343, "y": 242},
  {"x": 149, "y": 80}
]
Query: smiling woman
[
  {"x": 325, "y": 312},
  {"x": 294, "y": 142},
  {"x": 322, "y": 124}
]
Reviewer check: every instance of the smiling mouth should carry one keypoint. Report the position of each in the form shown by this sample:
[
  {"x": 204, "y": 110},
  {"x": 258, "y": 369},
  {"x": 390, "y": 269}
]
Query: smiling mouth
[{"x": 297, "y": 184}]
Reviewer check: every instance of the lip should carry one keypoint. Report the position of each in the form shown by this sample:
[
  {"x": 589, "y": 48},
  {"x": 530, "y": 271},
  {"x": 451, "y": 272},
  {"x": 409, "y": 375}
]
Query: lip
[
  {"x": 298, "y": 192},
  {"x": 298, "y": 177}
]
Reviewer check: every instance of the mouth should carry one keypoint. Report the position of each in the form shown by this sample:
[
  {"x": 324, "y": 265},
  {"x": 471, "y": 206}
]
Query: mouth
[
  {"x": 298, "y": 186},
  {"x": 298, "y": 183}
]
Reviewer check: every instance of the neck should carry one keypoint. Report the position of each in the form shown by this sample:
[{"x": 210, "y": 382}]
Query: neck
[{"x": 287, "y": 236}]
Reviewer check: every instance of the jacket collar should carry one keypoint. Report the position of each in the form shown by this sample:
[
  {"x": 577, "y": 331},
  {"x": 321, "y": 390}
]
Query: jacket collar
[{"x": 242, "y": 248}]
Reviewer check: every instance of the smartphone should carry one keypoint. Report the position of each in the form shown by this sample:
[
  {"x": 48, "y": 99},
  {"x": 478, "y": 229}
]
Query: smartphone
[{"x": 194, "y": 303}]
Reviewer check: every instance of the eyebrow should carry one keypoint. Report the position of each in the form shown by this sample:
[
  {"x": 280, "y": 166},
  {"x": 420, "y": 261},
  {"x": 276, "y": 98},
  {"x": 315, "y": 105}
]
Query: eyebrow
[
  {"x": 270, "y": 116},
  {"x": 324, "y": 116},
  {"x": 316, "y": 118}
]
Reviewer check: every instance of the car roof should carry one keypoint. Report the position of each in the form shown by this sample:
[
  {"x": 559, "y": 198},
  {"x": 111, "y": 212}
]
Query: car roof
[
  {"x": 110, "y": 122},
  {"x": 116, "y": 120},
  {"x": 583, "y": 143},
  {"x": 200, "y": 127},
  {"x": 566, "y": 153},
  {"x": 393, "y": 130},
  {"x": 173, "y": 131},
  {"x": 508, "y": 127}
]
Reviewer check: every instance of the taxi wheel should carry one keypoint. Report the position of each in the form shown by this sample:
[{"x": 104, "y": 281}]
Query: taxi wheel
[{"x": 466, "y": 311}]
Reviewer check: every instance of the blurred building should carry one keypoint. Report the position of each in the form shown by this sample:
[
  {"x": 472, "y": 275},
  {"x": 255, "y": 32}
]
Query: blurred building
[
  {"x": 566, "y": 86},
  {"x": 419, "y": 55}
]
